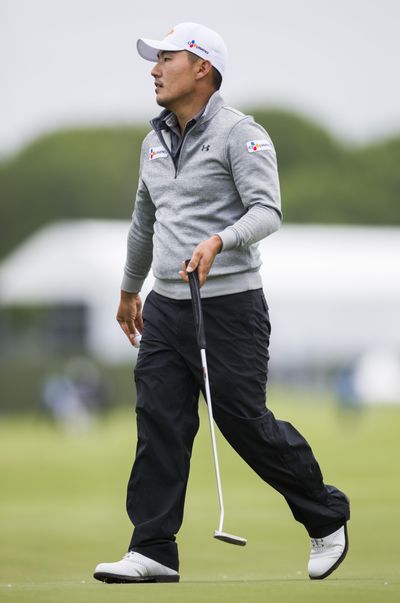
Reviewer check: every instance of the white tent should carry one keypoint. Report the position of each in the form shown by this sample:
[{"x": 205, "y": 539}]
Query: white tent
[
  {"x": 73, "y": 262},
  {"x": 333, "y": 292}
]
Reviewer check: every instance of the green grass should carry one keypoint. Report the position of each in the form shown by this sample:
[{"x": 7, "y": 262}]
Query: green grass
[{"x": 63, "y": 511}]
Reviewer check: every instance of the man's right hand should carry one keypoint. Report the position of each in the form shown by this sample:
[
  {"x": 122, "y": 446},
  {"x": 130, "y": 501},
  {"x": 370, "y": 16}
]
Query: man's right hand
[{"x": 129, "y": 315}]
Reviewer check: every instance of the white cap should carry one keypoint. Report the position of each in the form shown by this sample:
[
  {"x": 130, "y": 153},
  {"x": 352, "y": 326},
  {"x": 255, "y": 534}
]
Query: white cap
[{"x": 195, "y": 38}]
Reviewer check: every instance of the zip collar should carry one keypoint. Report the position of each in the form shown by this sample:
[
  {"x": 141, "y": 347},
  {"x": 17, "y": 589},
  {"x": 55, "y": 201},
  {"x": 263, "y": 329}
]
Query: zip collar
[{"x": 215, "y": 102}]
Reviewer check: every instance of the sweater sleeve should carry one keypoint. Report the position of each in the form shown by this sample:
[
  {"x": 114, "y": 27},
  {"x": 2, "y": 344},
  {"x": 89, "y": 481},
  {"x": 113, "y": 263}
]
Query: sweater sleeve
[
  {"x": 252, "y": 160},
  {"x": 140, "y": 241}
]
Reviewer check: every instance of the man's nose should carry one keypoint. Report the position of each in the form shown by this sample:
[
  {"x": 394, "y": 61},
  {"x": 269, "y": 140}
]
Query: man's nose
[{"x": 155, "y": 72}]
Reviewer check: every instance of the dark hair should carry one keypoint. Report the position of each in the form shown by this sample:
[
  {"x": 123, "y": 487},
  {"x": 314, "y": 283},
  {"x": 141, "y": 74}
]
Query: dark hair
[{"x": 216, "y": 77}]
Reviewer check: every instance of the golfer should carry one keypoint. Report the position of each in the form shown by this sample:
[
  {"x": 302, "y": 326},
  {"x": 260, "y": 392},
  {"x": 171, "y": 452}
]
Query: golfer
[{"x": 209, "y": 191}]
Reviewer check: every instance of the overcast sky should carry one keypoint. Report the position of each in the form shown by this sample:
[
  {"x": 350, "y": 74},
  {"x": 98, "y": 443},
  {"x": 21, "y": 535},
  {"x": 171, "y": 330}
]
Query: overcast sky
[{"x": 74, "y": 62}]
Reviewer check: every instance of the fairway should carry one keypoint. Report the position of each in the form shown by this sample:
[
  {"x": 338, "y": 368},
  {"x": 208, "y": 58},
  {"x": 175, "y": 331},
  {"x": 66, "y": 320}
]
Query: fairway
[{"x": 63, "y": 511}]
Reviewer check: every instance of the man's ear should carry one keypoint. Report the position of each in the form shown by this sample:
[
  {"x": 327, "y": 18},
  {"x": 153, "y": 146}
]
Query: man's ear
[{"x": 203, "y": 69}]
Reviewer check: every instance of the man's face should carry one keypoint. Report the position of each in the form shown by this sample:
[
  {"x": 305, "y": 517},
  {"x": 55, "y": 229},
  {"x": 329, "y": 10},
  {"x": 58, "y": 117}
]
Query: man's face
[{"x": 174, "y": 77}]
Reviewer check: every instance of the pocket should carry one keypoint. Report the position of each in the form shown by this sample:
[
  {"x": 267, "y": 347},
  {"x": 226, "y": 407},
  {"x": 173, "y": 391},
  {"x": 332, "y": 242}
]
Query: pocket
[
  {"x": 260, "y": 323},
  {"x": 264, "y": 302}
]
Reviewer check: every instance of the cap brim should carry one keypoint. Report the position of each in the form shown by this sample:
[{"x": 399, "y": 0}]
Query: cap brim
[{"x": 149, "y": 49}]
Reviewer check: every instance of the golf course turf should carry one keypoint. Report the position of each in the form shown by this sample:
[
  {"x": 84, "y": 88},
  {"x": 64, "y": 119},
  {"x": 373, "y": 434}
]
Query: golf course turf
[{"x": 63, "y": 511}]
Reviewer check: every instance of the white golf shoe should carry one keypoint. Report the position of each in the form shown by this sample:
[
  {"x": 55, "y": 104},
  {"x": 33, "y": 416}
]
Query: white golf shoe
[
  {"x": 135, "y": 567},
  {"x": 327, "y": 553}
]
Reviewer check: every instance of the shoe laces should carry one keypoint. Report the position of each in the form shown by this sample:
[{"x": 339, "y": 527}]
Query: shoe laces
[
  {"x": 317, "y": 545},
  {"x": 129, "y": 554}
]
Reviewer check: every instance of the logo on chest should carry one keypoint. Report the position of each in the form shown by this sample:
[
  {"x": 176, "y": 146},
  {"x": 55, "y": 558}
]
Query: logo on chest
[{"x": 157, "y": 153}]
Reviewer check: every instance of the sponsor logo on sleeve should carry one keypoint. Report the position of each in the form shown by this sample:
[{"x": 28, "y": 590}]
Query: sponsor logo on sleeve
[
  {"x": 253, "y": 146},
  {"x": 157, "y": 153}
]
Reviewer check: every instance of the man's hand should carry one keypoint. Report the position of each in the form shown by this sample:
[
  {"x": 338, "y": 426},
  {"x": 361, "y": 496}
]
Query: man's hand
[
  {"x": 129, "y": 315},
  {"x": 202, "y": 258}
]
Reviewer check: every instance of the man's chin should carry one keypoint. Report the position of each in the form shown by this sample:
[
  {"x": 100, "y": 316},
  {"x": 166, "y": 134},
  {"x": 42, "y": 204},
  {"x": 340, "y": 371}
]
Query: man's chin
[{"x": 162, "y": 102}]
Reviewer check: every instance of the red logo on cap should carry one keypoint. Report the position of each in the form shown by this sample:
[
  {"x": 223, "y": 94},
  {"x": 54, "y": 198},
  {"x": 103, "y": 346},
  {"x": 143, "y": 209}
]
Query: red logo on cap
[{"x": 193, "y": 44}]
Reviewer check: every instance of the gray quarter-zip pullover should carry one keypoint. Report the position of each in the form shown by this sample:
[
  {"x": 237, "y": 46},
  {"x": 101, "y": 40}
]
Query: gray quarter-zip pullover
[{"x": 224, "y": 182}]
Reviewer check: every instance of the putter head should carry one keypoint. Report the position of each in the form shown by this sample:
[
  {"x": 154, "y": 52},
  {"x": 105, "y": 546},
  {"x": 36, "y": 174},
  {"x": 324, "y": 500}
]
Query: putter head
[{"x": 230, "y": 538}]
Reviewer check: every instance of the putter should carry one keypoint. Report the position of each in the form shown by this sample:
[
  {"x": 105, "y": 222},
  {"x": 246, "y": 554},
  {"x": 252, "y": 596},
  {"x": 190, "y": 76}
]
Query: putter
[{"x": 201, "y": 342}]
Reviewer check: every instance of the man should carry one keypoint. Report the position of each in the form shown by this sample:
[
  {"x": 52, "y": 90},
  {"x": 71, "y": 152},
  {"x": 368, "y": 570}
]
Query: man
[{"x": 208, "y": 190}]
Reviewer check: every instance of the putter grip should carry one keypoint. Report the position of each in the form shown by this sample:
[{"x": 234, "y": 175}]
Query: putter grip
[{"x": 197, "y": 310}]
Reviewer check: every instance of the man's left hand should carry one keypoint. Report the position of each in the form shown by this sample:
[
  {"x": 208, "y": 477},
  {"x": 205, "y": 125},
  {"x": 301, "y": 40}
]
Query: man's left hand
[{"x": 202, "y": 258}]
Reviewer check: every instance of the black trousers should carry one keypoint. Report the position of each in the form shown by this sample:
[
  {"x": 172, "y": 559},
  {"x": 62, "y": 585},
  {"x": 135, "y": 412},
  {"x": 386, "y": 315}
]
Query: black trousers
[{"x": 169, "y": 379}]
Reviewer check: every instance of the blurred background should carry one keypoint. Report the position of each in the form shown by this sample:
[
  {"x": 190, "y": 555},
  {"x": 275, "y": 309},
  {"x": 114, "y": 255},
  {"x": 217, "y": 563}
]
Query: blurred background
[
  {"x": 75, "y": 103},
  {"x": 75, "y": 100}
]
